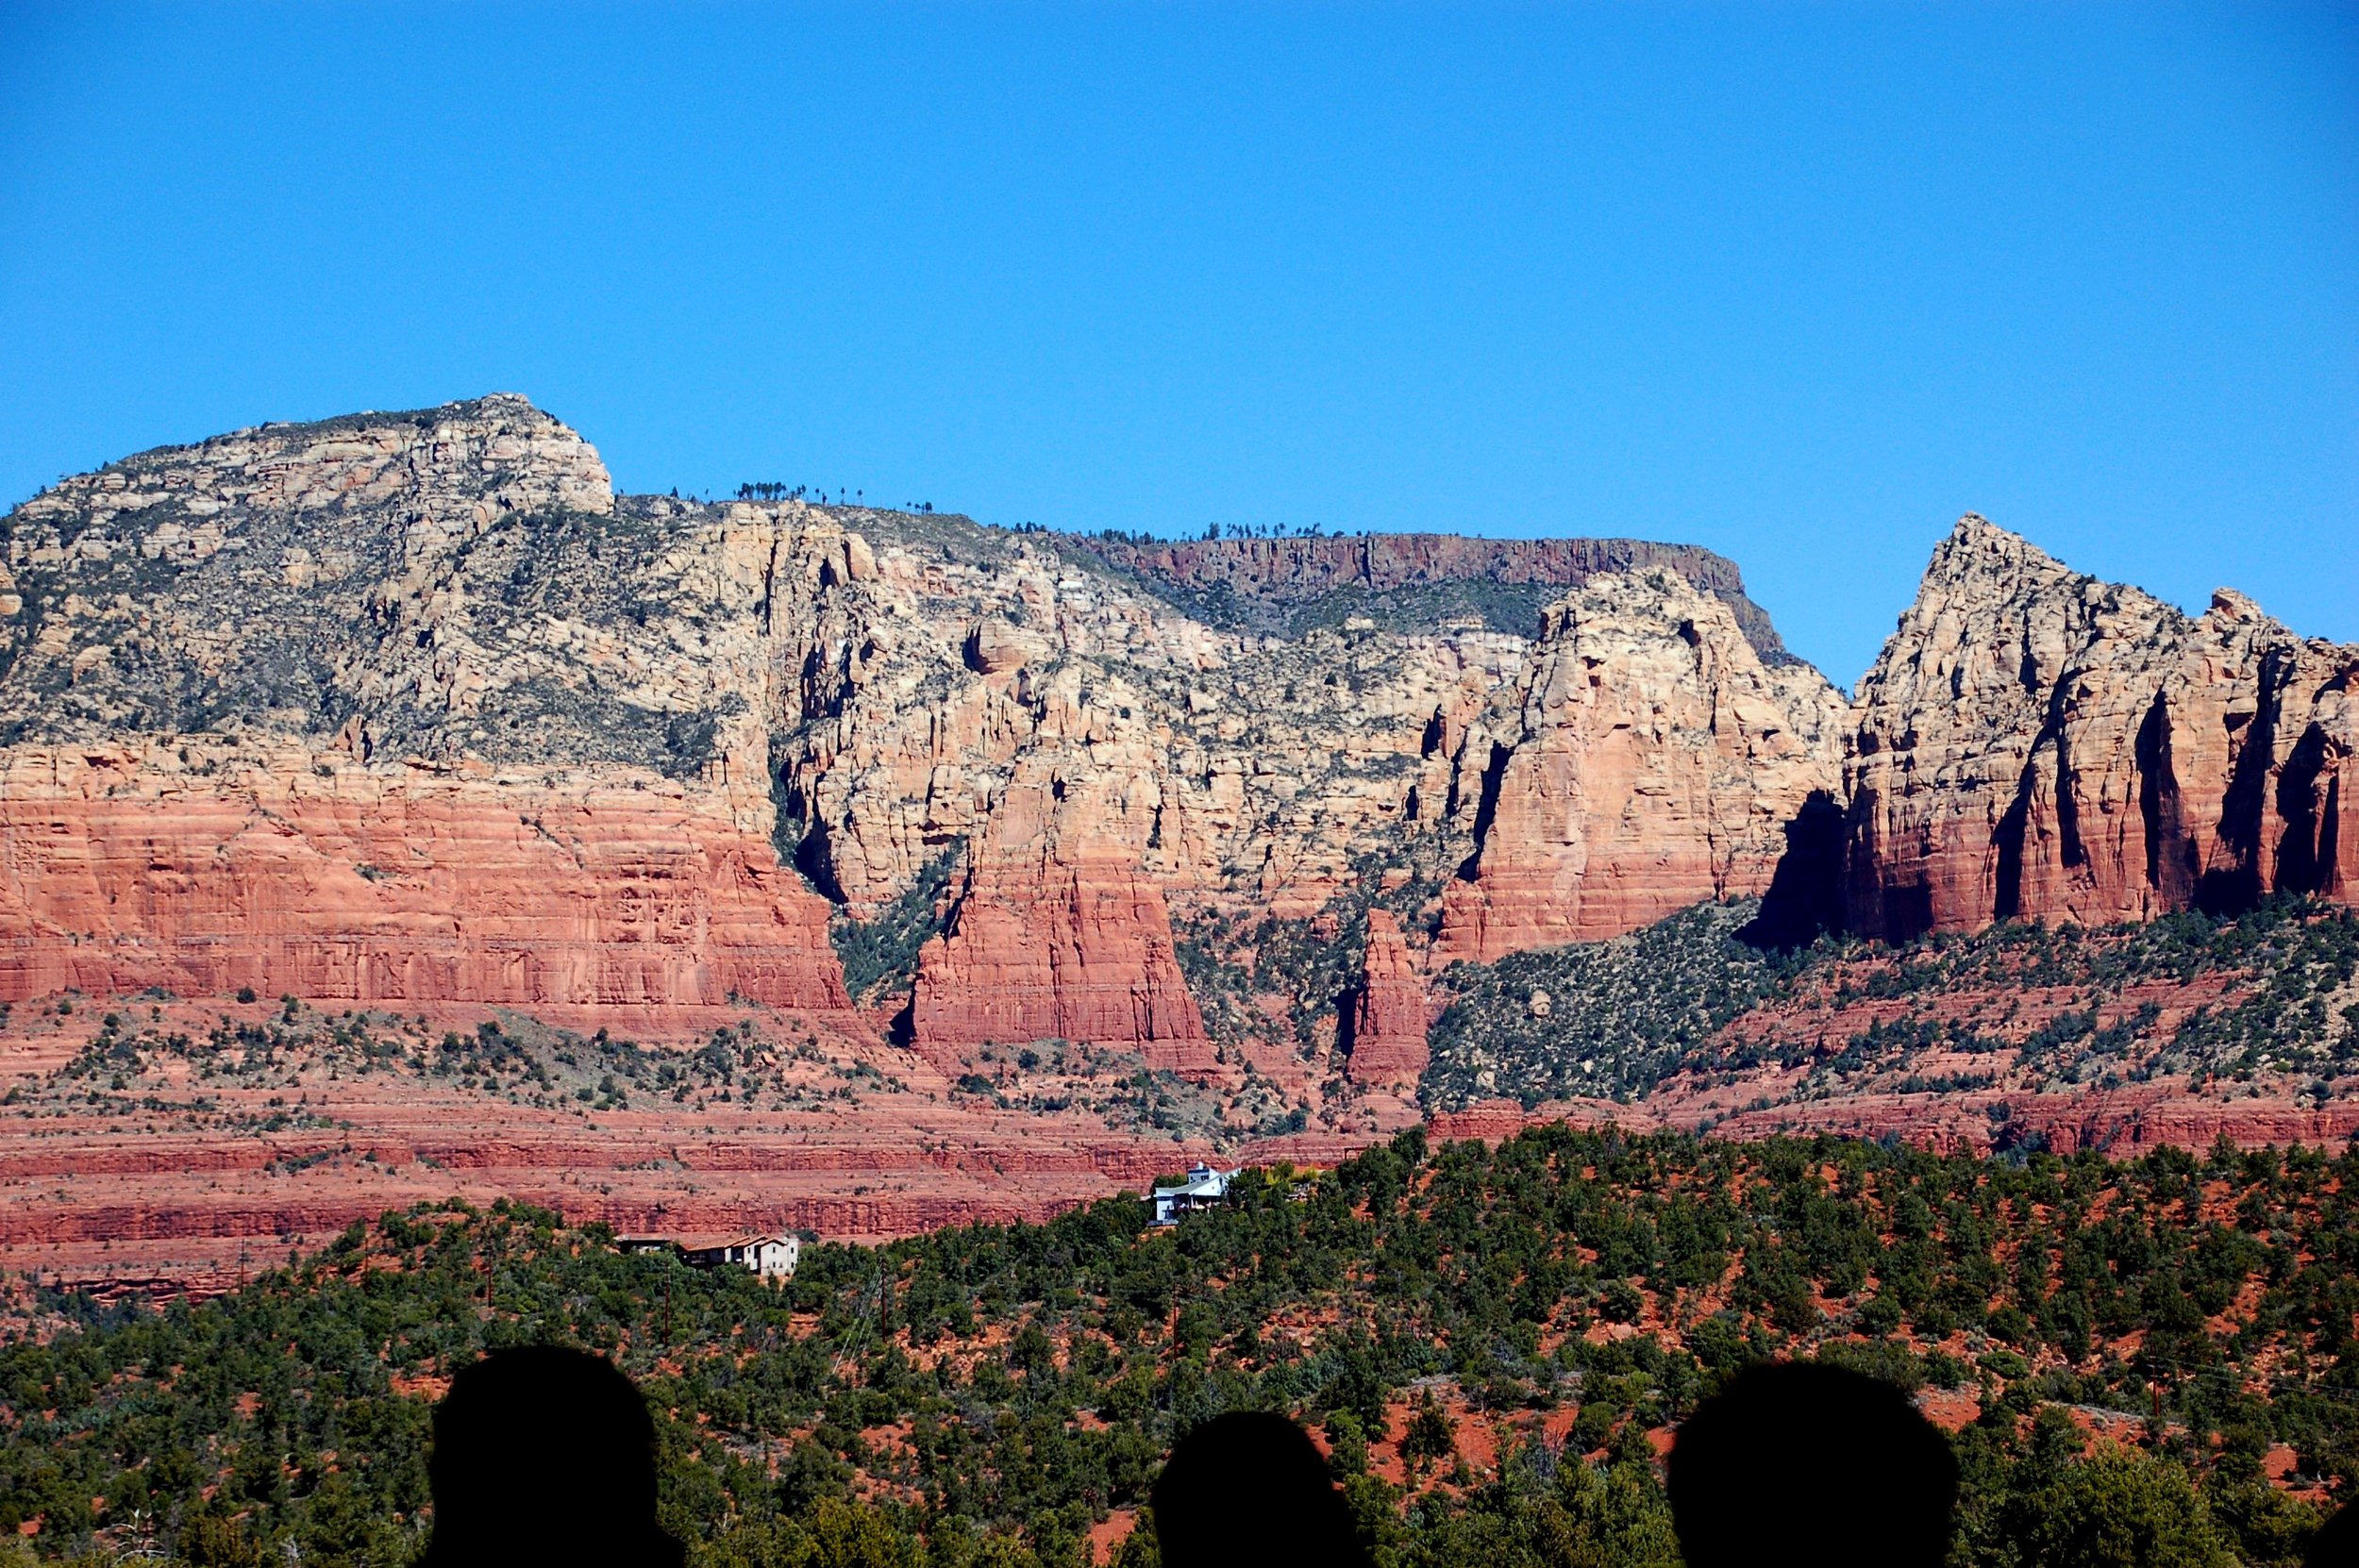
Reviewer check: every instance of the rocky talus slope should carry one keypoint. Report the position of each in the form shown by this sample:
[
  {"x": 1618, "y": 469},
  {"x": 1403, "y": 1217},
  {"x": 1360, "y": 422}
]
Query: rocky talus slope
[
  {"x": 2037, "y": 745},
  {"x": 2178, "y": 1031}
]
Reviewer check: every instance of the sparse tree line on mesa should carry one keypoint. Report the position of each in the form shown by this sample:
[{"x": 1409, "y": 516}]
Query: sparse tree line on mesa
[
  {"x": 779, "y": 490},
  {"x": 772, "y": 490},
  {"x": 1272, "y": 530},
  {"x": 989, "y": 1394}
]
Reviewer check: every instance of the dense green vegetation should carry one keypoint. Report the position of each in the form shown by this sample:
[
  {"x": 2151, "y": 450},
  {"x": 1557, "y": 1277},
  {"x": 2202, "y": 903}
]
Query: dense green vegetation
[
  {"x": 1510, "y": 607},
  {"x": 1488, "y": 1339},
  {"x": 1606, "y": 1018},
  {"x": 1617, "y": 1018},
  {"x": 135, "y": 1065},
  {"x": 879, "y": 956}
]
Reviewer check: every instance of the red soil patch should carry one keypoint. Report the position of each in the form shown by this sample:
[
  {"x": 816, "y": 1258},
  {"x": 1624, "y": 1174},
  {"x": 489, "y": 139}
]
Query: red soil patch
[{"x": 1107, "y": 1536}]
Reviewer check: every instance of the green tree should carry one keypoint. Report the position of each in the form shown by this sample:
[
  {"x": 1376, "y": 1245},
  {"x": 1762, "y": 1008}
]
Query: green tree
[
  {"x": 1140, "y": 1549},
  {"x": 218, "y": 1540},
  {"x": 1619, "y": 1516},
  {"x": 2117, "y": 1509},
  {"x": 2271, "y": 1529},
  {"x": 1346, "y": 1444},
  {"x": 1431, "y": 1436}
]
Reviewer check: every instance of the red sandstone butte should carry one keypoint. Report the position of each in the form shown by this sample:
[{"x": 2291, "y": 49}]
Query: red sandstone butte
[
  {"x": 2037, "y": 745},
  {"x": 124, "y": 868},
  {"x": 1384, "y": 1026}
]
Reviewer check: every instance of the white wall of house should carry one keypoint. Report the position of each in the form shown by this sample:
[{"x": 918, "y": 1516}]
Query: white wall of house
[{"x": 771, "y": 1257}]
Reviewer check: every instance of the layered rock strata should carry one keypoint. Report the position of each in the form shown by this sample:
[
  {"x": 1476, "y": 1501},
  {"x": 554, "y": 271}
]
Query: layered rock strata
[
  {"x": 411, "y": 712},
  {"x": 204, "y": 870},
  {"x": 262, "y": 1128},
  {"x": 2033, "y": 743},
  {"x": 413, "y": 706},
  {"x": 1082, "y": 953}
]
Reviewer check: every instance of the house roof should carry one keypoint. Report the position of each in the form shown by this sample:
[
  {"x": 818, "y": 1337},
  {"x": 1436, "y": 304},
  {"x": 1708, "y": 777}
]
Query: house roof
[
  {"x": 733, "y": 1239},
  {"x": 1203, "y": 1182}
]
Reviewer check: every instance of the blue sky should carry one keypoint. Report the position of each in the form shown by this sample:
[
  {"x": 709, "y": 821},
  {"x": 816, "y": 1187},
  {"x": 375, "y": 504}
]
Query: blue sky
[{"x": 1798, "y": 283}]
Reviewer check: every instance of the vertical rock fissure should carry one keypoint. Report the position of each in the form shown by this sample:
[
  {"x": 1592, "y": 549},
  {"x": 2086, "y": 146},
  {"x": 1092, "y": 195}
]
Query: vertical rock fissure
[
  {"x": 1486, "y": 808},
  {"x": 2008, "y": 837},
  {"x": 2170, "y": 867},
  {"x": 2303, "y": 852},
  {"x": 2233, "y": 884},
  {"x": 2067, "y": 801}
]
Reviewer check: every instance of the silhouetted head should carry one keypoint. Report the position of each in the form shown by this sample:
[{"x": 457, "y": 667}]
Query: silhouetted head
[
  {"x": 544, "y": 1455},
  {"x": 2336, "y": 1545},
  {"x": 1797, "y": 1462},
  {"x": 1248, "y": 1489}
]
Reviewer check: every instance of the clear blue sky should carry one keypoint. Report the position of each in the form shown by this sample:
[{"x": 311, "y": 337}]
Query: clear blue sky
[{"x": 1798, "y": 283}]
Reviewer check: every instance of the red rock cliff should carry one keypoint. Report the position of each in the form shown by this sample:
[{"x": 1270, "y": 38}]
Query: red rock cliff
[
  {"x": 128, "y": 868},
  {"x": 1084, "y": 953},
  {"x": 1055, "y": 933},
  {"x": 2033, "y": 743}
]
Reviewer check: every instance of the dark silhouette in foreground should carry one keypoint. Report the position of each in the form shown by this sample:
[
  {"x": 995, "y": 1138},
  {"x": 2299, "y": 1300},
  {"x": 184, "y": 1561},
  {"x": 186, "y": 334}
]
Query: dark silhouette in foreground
[
  {"x": 1248, "y": 1489},
  {"x": 2336, "y": 1544},
  {"x": 1795, "y": 1463},
  {"x": 543, "y": 1455}
]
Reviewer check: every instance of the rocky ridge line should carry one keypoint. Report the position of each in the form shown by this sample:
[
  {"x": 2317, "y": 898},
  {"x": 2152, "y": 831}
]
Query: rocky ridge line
[
  {"x": 1281, "y": 584},
  {"x": 2033, "y": 743}
]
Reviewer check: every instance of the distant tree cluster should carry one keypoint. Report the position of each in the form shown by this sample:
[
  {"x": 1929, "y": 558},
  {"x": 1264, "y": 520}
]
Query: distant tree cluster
[
  {"x": 772, "y": 490},
  {"x": 1269, "y": 530}
]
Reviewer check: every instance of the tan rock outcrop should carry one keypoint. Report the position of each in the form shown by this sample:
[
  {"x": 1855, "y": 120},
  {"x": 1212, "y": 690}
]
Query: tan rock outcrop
[
  {"x": 1653, "y": 763},
  {"x": 2033, "y": 743}
]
